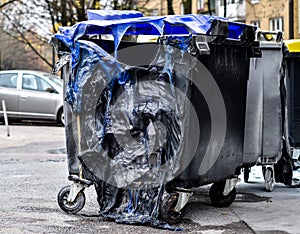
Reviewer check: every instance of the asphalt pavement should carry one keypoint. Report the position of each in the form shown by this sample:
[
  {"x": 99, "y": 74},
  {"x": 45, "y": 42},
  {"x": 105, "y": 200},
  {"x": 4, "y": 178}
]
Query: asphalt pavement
[{"x": 33, "y": 169}]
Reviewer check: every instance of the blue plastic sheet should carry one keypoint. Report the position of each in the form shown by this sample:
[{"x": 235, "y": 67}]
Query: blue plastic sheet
[
  {"x": 98, "y": 140},
  {"x": 158, "y": 25}
]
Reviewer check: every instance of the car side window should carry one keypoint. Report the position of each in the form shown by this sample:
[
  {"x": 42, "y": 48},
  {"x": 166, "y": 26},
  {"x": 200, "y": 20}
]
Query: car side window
[
  {"x": 8, "y": 80},
  {"x": 33, "y": 82},
  {"x": 45, "y": 86},
  {"x": 29, "y": 82}
]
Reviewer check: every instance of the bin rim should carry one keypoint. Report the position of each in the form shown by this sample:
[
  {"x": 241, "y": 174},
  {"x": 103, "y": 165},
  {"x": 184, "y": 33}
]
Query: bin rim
[
  {"x": 293, "y": 45},
  {"x": 155, "y": 25}
]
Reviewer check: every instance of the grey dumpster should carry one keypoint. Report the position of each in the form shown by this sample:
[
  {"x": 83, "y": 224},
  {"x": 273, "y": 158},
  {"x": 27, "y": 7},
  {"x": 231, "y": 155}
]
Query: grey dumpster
[{"x": 264, "y": 121}]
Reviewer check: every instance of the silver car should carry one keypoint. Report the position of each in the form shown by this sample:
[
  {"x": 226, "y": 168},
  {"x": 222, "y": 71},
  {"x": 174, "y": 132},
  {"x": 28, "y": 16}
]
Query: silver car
[{"x": 31, "y": 95}]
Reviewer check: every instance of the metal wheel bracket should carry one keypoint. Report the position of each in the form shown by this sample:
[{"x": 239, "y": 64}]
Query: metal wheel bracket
[
  {"x": 229, "y": 185},
  {"x": 75, "y": 188},
  {"x": 183, "y": 199}
]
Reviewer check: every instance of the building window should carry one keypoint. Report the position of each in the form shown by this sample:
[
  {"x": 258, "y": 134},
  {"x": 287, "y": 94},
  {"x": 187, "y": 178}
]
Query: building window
[
  {"x": 213, "y": 4},
  {"x": 181, "y": 8},
  {"x": 228, "y": 2},
  {"x": 255, "y": 1},
  {"x": 200, "y": 4},
  {"x": 256, "y": 23},
  {"x": 154, "y": 12},
  {"x": 276, "y": 24}
]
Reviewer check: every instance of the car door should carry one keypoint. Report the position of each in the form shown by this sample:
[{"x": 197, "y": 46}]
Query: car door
[
  {"x": 9, "y": 92},
  {"x": 36, "y": 99}
]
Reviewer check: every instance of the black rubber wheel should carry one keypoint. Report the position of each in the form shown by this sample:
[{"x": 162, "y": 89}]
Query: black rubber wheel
[
  {"x": 70, "y": 207},
  {"x": 269, "y": 181},
  {"x": 167, "y": 209},
  {"x": 246, "y": 174},
  {"x": 61, "y": 117},
  {"x": 216, "y": 195}
]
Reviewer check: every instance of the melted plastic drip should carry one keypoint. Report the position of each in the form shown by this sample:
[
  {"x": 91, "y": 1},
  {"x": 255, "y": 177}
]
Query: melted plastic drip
[{"x": 125, "y": 205}]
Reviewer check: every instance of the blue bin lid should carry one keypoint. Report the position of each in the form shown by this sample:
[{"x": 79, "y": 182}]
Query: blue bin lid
[
  {"x": 120, "y": 23},
  {"x": 112, "y": 14}
]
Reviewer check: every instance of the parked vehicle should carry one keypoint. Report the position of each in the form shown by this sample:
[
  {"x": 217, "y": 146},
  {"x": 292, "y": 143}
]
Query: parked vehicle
[{"x": 31, "y": 95}]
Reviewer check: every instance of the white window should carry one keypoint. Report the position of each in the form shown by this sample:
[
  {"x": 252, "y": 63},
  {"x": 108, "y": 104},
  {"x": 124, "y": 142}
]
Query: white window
[
  {"x": 255, "y": 1},
  {"x": 256, "y": 23},
  {"x": 276, "y": 24},
  {"x": 200, "y": 4},
  {"x": 154, "y": 12},
  {"x": 181, "y": 8},
  {"x": 29, "y": 82},
  {"x": 228, "y": 2}
]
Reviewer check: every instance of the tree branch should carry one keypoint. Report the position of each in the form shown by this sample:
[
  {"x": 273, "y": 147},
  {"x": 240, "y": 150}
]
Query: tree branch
[
  {"x": 26, "y": 41},
  {"x": 7, "y": 3}
]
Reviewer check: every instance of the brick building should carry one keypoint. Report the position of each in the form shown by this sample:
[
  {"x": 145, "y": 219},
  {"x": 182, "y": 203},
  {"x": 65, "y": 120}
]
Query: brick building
[
  {"x": 266, "y": 14},
  {"x": 275, "y": 14}
]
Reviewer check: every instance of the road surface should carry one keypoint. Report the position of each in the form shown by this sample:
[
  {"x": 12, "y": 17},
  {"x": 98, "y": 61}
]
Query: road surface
[{"x": 33, "y": 169}]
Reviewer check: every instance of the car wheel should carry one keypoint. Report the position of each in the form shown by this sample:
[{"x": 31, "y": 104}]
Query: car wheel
[{"x": 61, "y": 117}]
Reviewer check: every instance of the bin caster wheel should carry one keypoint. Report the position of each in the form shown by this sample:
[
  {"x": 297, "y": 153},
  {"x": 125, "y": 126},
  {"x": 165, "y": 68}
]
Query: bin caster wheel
[
  {"x": 216, "y": 195},
  {"x": 269, "y": 179},
  {"x": 167, "y": 209},
  {"x": 70, "y": 207}
]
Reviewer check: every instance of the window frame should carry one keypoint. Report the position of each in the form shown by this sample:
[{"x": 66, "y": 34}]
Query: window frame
[{"x": 274, "y": 21}]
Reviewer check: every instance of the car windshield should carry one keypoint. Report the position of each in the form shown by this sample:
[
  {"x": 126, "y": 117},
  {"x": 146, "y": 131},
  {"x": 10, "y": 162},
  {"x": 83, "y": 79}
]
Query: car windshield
[{"x": 55, "y": 79}]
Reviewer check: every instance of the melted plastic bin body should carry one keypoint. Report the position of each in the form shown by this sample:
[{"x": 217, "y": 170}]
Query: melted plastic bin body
[{"x": 126, "y": 99}]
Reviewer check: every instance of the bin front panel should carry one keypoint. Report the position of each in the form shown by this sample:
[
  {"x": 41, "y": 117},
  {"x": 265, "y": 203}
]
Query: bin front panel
[
  {"x": 229, "y": 66},
  {"x": 263, "y": 127},
  {"x": 293, "y": 95}
]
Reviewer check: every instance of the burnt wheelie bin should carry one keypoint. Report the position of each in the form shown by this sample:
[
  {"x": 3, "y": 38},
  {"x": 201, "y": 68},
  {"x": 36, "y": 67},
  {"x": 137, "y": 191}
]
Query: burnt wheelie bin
[
  {"x": 147, "y": 120},
  {"x": 264, "y": 127}
]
